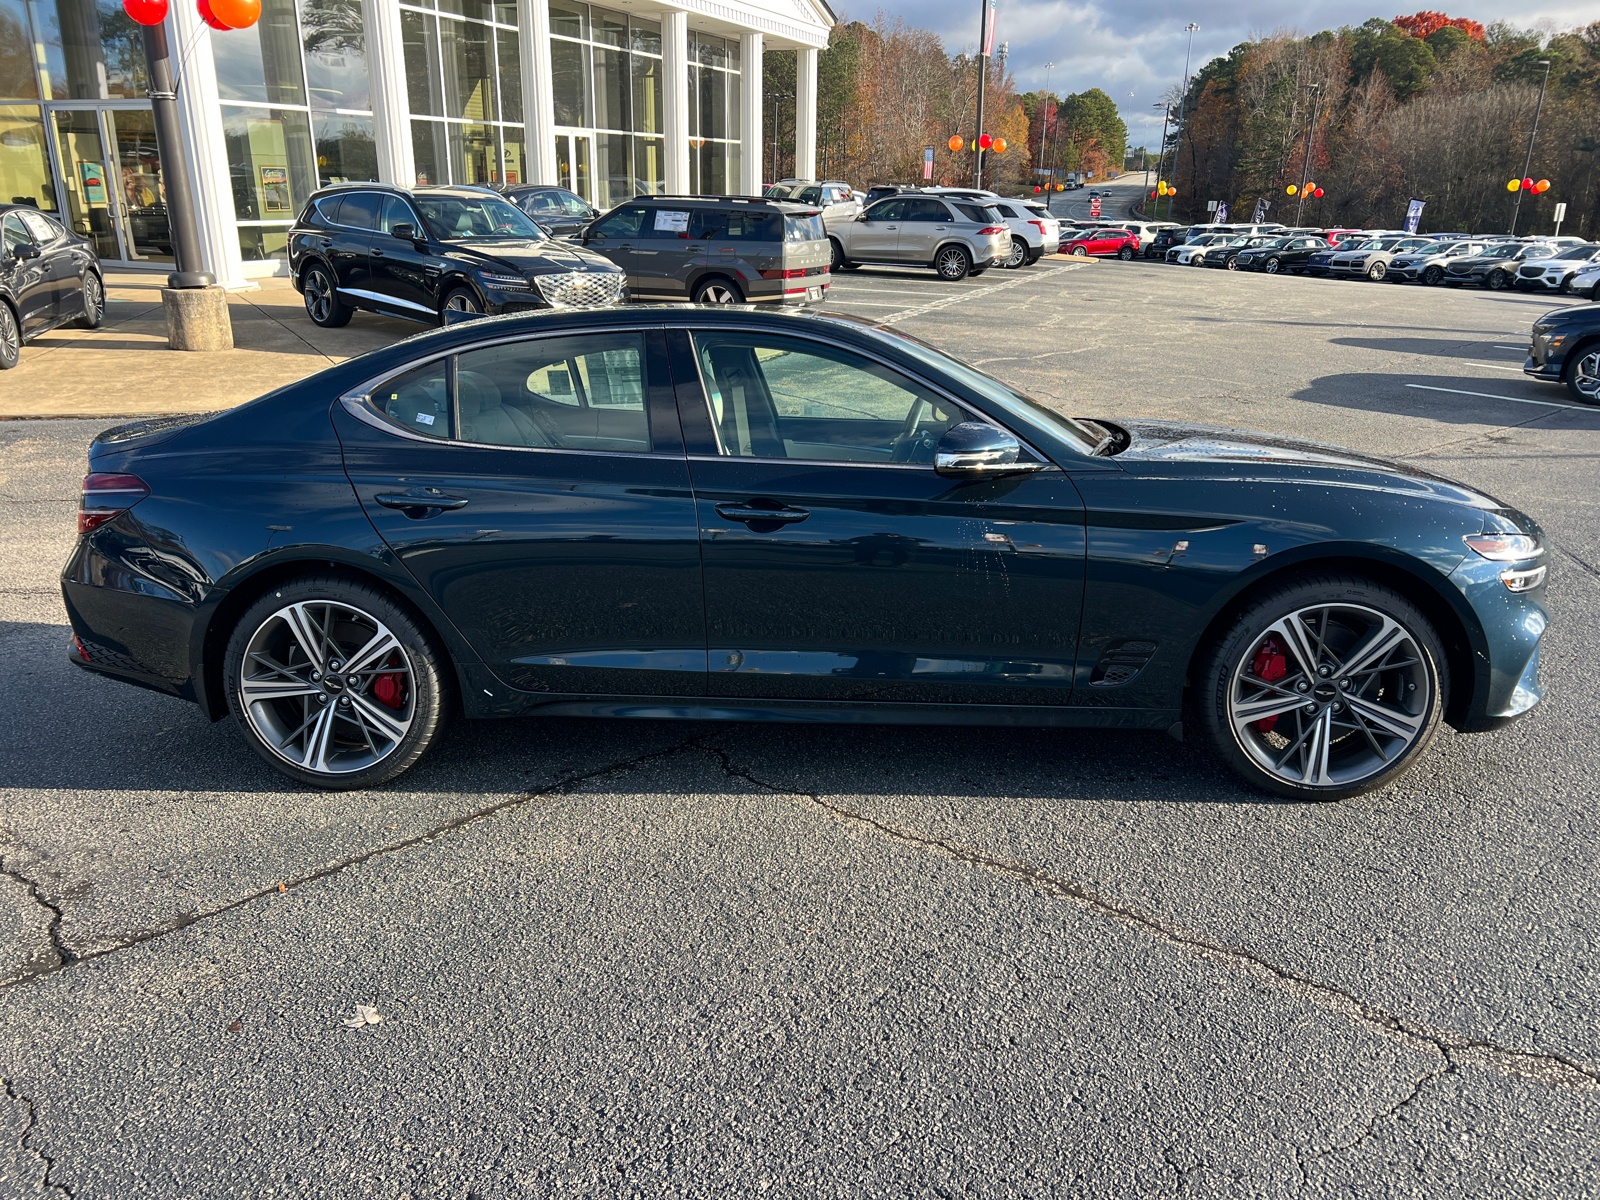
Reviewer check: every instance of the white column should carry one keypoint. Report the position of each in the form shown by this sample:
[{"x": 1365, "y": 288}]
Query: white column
[
  {"x": 204, "y": 151},
  {"x": 805, "y": 113},
  {"x": 750, "y": 170},
  {"x": 538, "y": 100},
  {"x": 391, "y": 105},
  {"x": 675, "y": 99}
]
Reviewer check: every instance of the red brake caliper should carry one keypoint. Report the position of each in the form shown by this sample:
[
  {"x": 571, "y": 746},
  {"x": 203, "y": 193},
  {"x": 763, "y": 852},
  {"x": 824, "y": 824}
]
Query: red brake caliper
[
  {"x": 1271, "y": 665},
  {"x": 390, "y": 690}
]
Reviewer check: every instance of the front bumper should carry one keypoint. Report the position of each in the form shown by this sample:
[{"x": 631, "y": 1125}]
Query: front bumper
[{"x": 1507, "y": 683}]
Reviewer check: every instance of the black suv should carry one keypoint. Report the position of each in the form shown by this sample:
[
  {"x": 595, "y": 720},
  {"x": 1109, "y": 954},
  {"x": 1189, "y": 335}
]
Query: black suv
[
  {"x": 417, "y": 254},
  {"x": 563, "y": 213},
  {"x": 1566, "y": 349},
  {"x": 1165, "y": 240}
]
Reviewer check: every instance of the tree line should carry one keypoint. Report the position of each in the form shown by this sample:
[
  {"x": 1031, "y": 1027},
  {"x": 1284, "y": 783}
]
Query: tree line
[{"x": 1427, "y": 106}]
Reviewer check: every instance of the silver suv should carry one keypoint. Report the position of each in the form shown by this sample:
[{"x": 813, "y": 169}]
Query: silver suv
[
  {"x": 1035, "y": 230},
  {"x": 1557, "y": 272},
  {"x": 1427, "y": 263},
  {"x": 835, "y": 198},
  {"x": 716, "y": 249},
  {"x": 956, "y": 238}
]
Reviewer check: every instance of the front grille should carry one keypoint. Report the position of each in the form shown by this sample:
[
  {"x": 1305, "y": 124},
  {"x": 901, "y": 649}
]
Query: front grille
[
  {"x": 1460, "y": 268},
  {"x": 581, "y": 289},
  {"x": 1531, "y": 272}
]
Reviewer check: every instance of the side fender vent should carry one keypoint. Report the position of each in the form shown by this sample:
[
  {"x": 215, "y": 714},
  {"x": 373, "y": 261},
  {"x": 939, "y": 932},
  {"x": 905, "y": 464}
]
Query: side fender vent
[{"x": 1121, "y": 663}]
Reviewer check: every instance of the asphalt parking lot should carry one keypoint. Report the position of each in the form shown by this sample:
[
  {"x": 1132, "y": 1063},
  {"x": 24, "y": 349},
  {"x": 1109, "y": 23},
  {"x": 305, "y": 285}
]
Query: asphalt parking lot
[{"x": 666, "y": 959}]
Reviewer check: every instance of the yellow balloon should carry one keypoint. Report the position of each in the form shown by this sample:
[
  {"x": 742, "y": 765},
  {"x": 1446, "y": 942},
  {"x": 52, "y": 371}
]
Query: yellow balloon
[
  {"x": 1292, "y": 189},
  {"x": 1514, "y": 185}
]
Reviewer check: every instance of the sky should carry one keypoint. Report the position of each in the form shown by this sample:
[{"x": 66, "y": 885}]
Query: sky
[{"x": 1133, "y": 50}]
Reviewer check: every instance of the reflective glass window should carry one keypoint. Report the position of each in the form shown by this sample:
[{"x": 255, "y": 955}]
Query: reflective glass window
[
  {"x": 609, "y": 27},
  {"x": 647, "y": 114},
  {"x": 569, "y": 82},
  {"x": 430, "y": 153},
  {"x": 418, "y": 401},
  {"x": 510, "y": 55},
  {"x": 569, "y": 20},
  {"x": 467, "y": 57},
  {"x": 513, "y": 155},
  {"x": 611, "y": 87},
  {"x": 649, "y": 166},
  {"x": 360, "y": 210},
  {"x": 17, "y": 78},
  {"x": 336, "y": 54},
  {"x": 90, "y": 50},
  {"x": 645, "y": 35},
  {"x": 270, "y": 160},
  {"x": 419, "y": 33},
  {"x": 24, "y": 165},
  {"x": 575, "y": 393},
  {"x": 15, "y": 233},
  {"x": 264, "y": 243},
  {"x": 346, "y": 151},
  {"x": 262, "y": 63}
]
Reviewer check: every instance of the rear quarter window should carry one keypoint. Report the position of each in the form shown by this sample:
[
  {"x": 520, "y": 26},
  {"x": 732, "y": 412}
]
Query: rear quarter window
[
  {"x": 983, "y": 216},
  {"x": 803, "y": 229}
]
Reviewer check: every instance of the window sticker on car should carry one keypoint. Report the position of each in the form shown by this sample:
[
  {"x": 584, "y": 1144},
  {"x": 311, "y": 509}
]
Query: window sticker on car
[
  {"x": 425, "y": 418},
  {"x": 671, "y": 221}
]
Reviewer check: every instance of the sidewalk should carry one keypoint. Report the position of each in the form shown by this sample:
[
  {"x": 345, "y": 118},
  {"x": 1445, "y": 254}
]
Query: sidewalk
[{"x": 124, "y": 369}]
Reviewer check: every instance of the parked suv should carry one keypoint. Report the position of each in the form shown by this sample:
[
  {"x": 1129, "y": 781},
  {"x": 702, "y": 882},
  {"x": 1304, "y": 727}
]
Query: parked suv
[
  {"x": 835, "y": 198},
  {"x": 716, "y": 249},
  {"x": 417, "y": 254},
  {"x": 1587, "y": 281},
  {"x": 1280, "y": 255},
  {"x": 1566, "y": 349},
  {"x": 1555, "y": 273},
  {"x": 1120, "y": 243},
  {"x": 1035, "y": 232},
  {"x": 956, "y": 238},
  {"x": 1165, "y": 239},
  {"x": 1227, "y": 254},
  {"x": 1495, "y": 266},
  {"x": 562, "y": 212},
  {"x": 1428, "y": 263},
  {"x": 1372, "y": 258}
]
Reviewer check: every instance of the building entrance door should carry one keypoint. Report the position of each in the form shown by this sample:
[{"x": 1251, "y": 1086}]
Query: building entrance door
[
  {"x": 110, "y": 176},
  {"x": 574, "y": 153}
]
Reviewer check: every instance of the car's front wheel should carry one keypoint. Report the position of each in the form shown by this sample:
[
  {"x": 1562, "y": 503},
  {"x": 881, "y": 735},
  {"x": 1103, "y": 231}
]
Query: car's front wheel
[
  {"x": 1583, "y": 376},
  {"x": 1079, "y": 252},
  {"x": 839, "y": 263},
  {"x": 334, "y": 684},
  {"x": 1273, "y": 266},
  {"x": 952, "y": 264},
  {"x": 1433, "y": 276},
  {"x": 10, "y": 338},
  {"x": 323, "y": 305},
  {"x": 1377, "y": 271},
  {"x": 1325, "y": 688},
  {"x": 94, "y": 302},
  {"x": 1498, "y": 281},
  {"x": 461, "y": 300}
]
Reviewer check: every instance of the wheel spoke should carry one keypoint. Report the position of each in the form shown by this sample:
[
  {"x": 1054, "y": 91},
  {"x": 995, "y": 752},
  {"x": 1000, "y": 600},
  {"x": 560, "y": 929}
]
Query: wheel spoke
[
  {"x": 1386, "y": 638},
  {"x": 253, "y": 691},
  {"x": 1298, "y": 640},
  {"x": 376, "y": 650},
  {"x": 1316, "y": 750},
  {"x": 388, "y": 724},
  {"x": 318, "y": 740},
  {"x": 1247, "y": 714},
  {"x": 307, "y": 634},
  {"x": 1391, "y": 721}
]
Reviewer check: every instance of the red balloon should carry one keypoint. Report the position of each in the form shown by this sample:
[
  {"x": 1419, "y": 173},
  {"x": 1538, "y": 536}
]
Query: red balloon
[
  {"x": 1527, "y": 183},
  {"x": 236, "y": 14},
  {"x": 1035, "y": 190},
  {"x": 209, "y": 17},
  {"x": 1317, "y": 193},
  {"x": 146, "y": 12},
  {"x": 986, "y": 141}
]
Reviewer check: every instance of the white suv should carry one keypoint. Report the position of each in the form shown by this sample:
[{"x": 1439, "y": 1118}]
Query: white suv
[
  {"x": 1557, "y": 272},
  {"x": 1587, "y": 281}
]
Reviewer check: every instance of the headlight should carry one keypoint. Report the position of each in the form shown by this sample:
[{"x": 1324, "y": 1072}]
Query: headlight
[
  {"x": 503, "y": 281},
  {"x": 1503, "y": 547},
  {"x": 1525, "y": 580}
]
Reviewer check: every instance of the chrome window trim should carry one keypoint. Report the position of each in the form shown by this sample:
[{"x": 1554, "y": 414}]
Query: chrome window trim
[{"x": 406, "y": 200}]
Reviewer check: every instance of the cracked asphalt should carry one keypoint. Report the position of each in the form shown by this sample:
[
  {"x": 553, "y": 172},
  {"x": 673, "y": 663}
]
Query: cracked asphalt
[{"x": 664, "y": 959}]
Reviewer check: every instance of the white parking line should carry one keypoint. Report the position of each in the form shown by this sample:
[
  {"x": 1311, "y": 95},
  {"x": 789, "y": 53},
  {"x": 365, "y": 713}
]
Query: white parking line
[
  {"x": 917, "y": 311},
  {"x": 1497, "y": 366},
  {"x": 865, "y": 303},
  {"x": 1422, "y": 387},
  {"x": 887, "y": 291},
  {"x": 1510, "y": 347}
]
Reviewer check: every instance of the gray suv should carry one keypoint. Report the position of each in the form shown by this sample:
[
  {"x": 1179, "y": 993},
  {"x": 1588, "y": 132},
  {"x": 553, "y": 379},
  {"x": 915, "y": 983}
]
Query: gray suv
[
  {"x": 716, "y": 249},
  {"x": 956, "y": 238}
]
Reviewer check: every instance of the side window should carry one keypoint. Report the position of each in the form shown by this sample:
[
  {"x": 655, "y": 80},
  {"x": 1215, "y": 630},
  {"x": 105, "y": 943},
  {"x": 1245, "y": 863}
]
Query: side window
[
  {"x": 42, "y": 230},
  {"x": 360, "y": 210},
  {"x": 1006, "y": 211},
  {"x": 572, "y": 204},
  {"x": 540, "y": 204},
  {"x": 418, "y": 401},
  {"x": 397, "y": 212},
  {"x": 666, "y": 223},
  {"x": 328, "y": 210},
  {"x": 740, "y": 226},
  {"x": 14, "y": 233},
  {"x": 585, "y": 392},
  {"x": 622, "y": 223},
  {"x": 777, "y": 397},
  {"x": 889, "y": 210}
]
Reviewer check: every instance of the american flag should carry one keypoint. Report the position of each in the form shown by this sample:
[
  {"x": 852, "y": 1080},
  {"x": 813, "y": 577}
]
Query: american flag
[{"x": 988, "y": 28}]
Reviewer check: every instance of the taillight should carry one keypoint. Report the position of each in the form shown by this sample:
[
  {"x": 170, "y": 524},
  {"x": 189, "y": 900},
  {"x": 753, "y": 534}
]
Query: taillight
[
  {"x": 1039, "y": 225},
  {"x": 794, "y": 273},
  {"x": 992, "y": 229},
  {"x": 104, "y": 496}
]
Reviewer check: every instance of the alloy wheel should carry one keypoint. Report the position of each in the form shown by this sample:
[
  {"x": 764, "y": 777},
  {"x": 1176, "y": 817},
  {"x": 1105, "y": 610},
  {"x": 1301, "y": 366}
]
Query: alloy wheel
[
  {"x": 319, "y": 296},
  {"x": 327, "y": 687},
  {"x": 1232, "y": 264},
  {"x": 718, "y": 293},
  {"x": 952, "y": 262},
  {"x": 1330, "y": 695},
  {"x": 1019, "y": 254},
  {"x": 1080, "y": 252},
  {"x": 1273, "y": 266},
  {"x": 10, "y": 339},
  {"x": 1377, "y": 271},
  {"x": 94, "y": 300},
  {"x": 1586, "y": 377},
  {"x": 461, "y": 302}
]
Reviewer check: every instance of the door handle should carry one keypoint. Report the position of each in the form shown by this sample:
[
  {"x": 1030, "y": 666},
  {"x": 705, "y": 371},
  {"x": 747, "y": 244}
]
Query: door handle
[
  {"x": 376, "y": 253},
  {"x": 324, "y": 242},
  {"x": 417, "y": 507},
  {"x": 749, "y": 513}
]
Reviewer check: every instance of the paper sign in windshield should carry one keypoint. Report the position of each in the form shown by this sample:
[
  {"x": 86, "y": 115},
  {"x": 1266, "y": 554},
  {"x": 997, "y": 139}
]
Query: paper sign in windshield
[{"x": 672, "y": 222}]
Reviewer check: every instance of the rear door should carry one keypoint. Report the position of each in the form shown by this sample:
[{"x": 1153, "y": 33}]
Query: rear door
[
  {"x": 538, "y": 490},
  {"x": 927, "y": 223},
  {"x": 838, "y": 565},
  {"x": 348, "y": 244},
  {"x": 665, "y": 252}
]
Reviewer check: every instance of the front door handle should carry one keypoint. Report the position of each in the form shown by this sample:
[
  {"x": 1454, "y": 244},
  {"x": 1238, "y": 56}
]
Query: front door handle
[
  {"x": 749, "y": 513},
  {"x": 376, "y": 253},
  {"x": 324, "y": 242},
  {"x": 418, "y": 507}
]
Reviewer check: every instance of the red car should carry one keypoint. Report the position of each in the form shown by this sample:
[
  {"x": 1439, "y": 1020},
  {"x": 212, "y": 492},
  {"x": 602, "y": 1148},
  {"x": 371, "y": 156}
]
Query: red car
[{"x": 1120, "y": 242}]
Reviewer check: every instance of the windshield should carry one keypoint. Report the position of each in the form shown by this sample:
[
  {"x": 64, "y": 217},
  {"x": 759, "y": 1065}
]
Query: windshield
[
  {"x": 778, "y": 191},
  {"x": 456, "y": 218},
  {"x": 1584, "y": 252},
  {"x": 1239, "y": 241},
  {"x": 1505, "y": 251},
  {"x": 1434, "y": 248},
  {"x": 1012, "y": 401}
]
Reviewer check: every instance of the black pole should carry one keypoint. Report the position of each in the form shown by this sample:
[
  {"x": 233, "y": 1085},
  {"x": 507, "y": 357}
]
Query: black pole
[
  {"x": 1305, "y": 165},
  {"x": 1532, "y": 133},
  {"x": 1055, "y": 143},
  {"x": 983, "y": 61},
  {"x": 1161, "y": 158},
  {"x": 174, "y": 171}
]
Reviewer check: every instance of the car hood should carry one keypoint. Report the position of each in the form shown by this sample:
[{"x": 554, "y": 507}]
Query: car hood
[
  {"x": 528, "y": 257},
  {"x": 1246, "y": 457}
]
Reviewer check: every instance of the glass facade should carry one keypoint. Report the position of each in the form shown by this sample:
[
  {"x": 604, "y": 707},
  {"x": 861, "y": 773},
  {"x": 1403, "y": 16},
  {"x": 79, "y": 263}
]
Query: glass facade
[
  {"x": 464, "y": 82},
  {"x": 714, "y": 81},
  {"x": 296, "y": 114},
  {"x": 606, "y": 82}
]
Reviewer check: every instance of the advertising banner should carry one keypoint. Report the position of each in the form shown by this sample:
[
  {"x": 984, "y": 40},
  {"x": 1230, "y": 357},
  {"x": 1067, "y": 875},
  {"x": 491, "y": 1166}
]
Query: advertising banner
[
  {"x": 1261, "y": 211},
  {"x": 1414, "y": 215},
  {"x": 1222, "y": 213}
]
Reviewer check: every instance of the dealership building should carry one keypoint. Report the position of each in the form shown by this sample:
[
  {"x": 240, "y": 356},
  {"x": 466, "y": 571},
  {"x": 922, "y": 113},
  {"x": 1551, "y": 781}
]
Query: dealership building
[{"x": 610, "y": 102}]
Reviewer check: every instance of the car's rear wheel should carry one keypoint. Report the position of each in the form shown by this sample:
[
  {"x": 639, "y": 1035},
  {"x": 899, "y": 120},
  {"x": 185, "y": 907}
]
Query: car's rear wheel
[
  {"x": 1325, "y": 688},
  {"x": 10, "y": 338},
  {"x": 718, "y": 290},
  {"x": 1583, "y": 376},
  {"x": 1018, "y": 256},
  {"x": 952, "y": 263},
  {"x": 323, "y": 305},
  {"x": 1273, "y": 266},
  {"x": 1498, "y": 281},
  {"x": 1433, "y": 276},
  {"x": 334, "y": 683},
  {"x": 1377, "y": 271},
  {"x": 1126, "y": 254},
  {"x": 94, "y": 302}
]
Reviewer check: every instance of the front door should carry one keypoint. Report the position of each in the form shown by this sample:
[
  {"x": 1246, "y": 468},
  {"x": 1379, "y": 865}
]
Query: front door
[
  {"x": 406, "y": 277},
  {"x": 617, "y": 235},
  {"x": 875, "y": 237},
  {"x": 838, "y": 565},
  {"x": 538, "y": 491},
  {"x": 574, "y": 153},
  {"x": 27, "y": 278}
]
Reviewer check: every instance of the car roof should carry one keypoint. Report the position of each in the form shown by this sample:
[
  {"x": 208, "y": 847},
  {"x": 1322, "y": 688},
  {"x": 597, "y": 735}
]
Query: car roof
[
  {"x": 441, "y": 189},
  {"x": 789, "y": 208}
]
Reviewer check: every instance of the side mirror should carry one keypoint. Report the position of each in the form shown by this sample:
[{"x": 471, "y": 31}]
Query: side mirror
[
  {"x": 24, "y": 251},
  {"x": 973, "y": 450},
  {"x": 405, "y": 231},
  {"x": 861, "y": 216}
]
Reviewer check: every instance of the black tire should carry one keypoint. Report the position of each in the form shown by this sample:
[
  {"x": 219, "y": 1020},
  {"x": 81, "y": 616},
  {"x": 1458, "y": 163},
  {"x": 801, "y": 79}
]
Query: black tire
[
  {"x": 10, "y": 338},
  {"x": 94, "y": 302},
  {"x": 1594, "y": 293},
  {"x": 323, "y": 305},
  {"x": 1034, "y": 256},
  {"x": 1566, "y": 287},
  {"x": 1388, "y": 706},
  {"x": 337, "y": 716},
  {"x": 952, "y": 263},
  {"x": 1583, "y": 374},
  {"x": 1273, "y": 266},
  {"x": 1126, "y": 254},
  {"x": 839, "y": 263},
  {"x": 1433, "y": 276},
  {"x": 1498, "y": 281},
  {"x": 461, "y": 299},
  {"x": 717, "y": 290},
  {"x": 1018, "y": 256},
  {"x": 1079, "y": 252}
]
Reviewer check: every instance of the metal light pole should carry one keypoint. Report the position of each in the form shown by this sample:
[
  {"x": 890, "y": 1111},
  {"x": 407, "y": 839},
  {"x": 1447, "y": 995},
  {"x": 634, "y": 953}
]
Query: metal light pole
[
  {"x": 1044, "y": 123},
  {"x": 983, "y": 62},
  {"x": 1055, "y": 143},
  {"x": 1183, "y": 100},
  {"x": 776, "y": 97},
  {"x": 1305, "y": 165},
  {"x": 1161, "y": 158},
  {"x": 1527, "y": 164},
  {"x": 174, "y": 173}
]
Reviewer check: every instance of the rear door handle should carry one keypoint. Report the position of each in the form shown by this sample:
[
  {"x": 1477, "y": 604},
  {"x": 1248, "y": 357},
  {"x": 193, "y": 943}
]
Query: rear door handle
[
  {"x": 748, "y": 513},
  {"x": 324, "y": 242},
  {"x": 376, "y": 253},
  {"x": 409, "y": 501}
]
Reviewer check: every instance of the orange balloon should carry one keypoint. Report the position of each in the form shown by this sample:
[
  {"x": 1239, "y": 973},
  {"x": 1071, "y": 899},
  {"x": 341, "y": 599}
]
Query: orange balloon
[
  {"x": 955, "y": 143},
  {"x": 237, "y": 14},
  {"x": 999, "y": 145},
  {"x": 1543, "y": 185}
]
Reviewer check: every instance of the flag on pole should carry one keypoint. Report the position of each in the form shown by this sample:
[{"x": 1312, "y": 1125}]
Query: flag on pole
[
  {"x": 1414, "y": 215},
  {"x": 927, "y": 162},
  {"x": 1261, "y": 211},
  {"x": 988, "y": 28},
  {"x": 1222, "y": 213}
]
